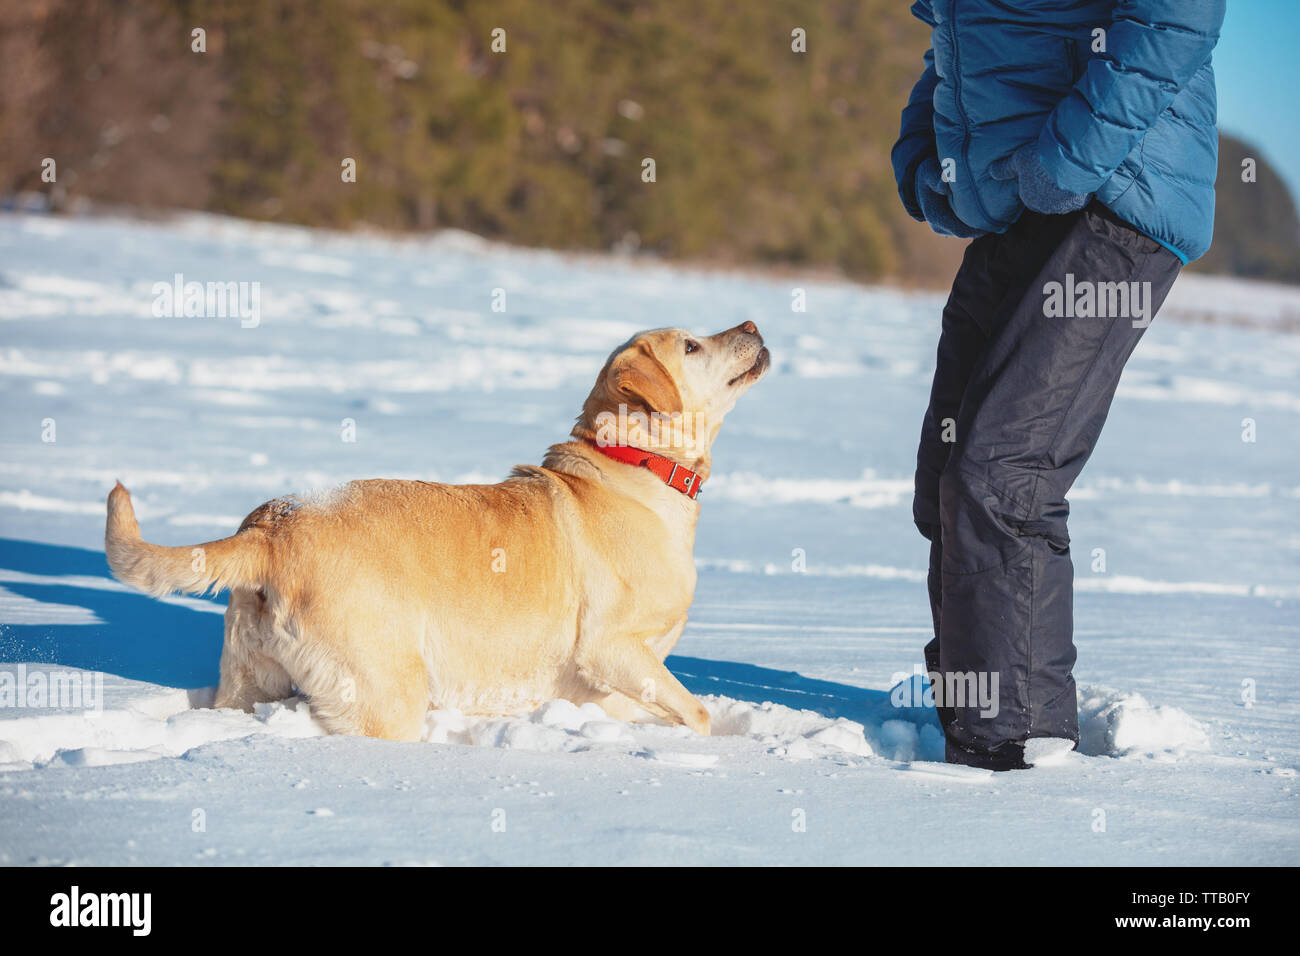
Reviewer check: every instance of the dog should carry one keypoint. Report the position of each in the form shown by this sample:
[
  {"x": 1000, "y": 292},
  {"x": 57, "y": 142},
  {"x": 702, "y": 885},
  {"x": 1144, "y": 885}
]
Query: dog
[{"x": 381, "y": 599}]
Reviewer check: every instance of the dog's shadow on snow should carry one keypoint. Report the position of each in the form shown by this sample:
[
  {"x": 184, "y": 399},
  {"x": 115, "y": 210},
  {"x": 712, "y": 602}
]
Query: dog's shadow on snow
[
  {"x": 133, "y": 636},
  {"x": 141, "y": 638}
]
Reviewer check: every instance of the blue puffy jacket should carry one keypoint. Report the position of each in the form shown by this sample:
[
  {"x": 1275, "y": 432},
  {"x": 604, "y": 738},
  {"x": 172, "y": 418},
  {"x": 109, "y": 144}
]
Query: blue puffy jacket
[{"x": 1118, "y": 95}]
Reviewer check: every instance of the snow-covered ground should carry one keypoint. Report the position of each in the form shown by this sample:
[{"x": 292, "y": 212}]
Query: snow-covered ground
[{"x": 1186, "y": 545}]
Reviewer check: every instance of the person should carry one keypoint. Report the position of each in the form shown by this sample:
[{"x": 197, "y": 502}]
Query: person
[{"x": 1075, "y": 143}]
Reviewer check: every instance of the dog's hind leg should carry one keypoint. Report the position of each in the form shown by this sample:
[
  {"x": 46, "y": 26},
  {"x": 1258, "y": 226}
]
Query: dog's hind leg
[
  {"x": 357, "y": 706},
  {"x": 248, "y": 675},
  {"x": 386, "y": 695}
]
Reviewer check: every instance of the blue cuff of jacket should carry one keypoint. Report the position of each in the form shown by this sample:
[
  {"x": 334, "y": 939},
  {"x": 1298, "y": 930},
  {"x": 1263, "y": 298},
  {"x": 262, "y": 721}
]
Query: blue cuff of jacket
[{"x": 1182, "y": 257}]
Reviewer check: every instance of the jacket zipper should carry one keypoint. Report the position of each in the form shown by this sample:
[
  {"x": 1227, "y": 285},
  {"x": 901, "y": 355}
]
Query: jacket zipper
[{"x": 961, "y": 111}]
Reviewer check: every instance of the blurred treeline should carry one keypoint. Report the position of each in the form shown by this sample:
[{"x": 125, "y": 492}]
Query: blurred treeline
[
  {"x": 1256, "y": 228},
  {"x": 762, "y": 154}
]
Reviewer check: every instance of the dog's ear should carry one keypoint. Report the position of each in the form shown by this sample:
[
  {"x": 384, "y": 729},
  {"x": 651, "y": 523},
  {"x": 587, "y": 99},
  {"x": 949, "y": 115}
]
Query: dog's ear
[
  {"x": 633, "y": 377},
  {"x": 637, "y": 377}
]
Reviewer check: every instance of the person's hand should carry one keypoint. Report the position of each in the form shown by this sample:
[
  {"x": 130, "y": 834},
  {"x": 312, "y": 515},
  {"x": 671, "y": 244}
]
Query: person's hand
[
  {"x": 1037, "y": 190},
  {"x": 932, "y": 195},
  {"x": 907, "y": 190}
]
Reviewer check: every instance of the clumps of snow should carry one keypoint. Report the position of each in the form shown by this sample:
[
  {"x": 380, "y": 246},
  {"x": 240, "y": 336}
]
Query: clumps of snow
[
  {"x": 1048, "y": 751},
  {"x": 559, "y": 726},
  {"x": 905, "y": 741},
  {"x": 796, "y": 734},
  {"x": 1117, "y": 724},
  {"x": 145, "y": 722},
  {"x": 11, "y": 758},
  {"x": 322, "y": 499},
  {"x": 158, "y": 725}
]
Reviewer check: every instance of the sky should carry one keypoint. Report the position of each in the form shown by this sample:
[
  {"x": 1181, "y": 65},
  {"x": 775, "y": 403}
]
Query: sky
[{"x": 1257, "y": 69}]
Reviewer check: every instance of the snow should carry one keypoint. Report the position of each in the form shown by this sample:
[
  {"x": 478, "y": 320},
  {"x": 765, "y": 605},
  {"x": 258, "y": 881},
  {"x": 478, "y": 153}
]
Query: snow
[
  {"x": 1049, "y": 751},
  {"x": 810, "y": 607},
  {"x": 144, "y": 721},
  {"x": 1118, "y": 724}
]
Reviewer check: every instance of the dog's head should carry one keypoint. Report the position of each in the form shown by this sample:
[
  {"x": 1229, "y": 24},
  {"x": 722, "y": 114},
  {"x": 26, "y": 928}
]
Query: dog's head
[{"x": 667, "y": 391}]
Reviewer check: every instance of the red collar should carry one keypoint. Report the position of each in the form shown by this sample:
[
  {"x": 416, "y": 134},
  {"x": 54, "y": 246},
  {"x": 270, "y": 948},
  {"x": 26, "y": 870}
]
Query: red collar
[{"x": 665, "y": 469}]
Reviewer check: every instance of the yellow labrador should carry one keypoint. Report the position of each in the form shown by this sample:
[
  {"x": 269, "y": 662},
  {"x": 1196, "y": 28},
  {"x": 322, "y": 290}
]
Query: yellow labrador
[{"x": 381, "y": 599}]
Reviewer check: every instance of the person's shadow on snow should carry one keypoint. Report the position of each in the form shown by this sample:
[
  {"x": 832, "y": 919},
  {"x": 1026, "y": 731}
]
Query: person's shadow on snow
[{"x": 141, "y": 638}]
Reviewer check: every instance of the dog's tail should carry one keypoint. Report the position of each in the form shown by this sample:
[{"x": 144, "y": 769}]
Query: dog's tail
[{"x": 238, "y": 561}]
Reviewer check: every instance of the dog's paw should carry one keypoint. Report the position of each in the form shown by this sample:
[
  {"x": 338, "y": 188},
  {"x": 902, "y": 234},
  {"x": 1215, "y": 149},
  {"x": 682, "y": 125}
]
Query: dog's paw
[{"x": 698, "y": 720}]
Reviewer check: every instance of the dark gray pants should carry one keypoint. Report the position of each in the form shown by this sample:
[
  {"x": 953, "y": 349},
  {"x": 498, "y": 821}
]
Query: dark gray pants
[{"x": 1019, "y": 398}]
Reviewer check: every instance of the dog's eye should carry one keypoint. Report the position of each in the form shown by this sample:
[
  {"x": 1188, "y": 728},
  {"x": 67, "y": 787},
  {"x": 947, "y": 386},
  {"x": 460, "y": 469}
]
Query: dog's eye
[{"x": 692, "y": 346}]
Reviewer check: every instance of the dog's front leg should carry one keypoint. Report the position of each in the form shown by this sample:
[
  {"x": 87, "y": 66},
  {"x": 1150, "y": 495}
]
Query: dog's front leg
[
  {"x": 621, "y": 707},
  {"x": 628, "y": 666}
]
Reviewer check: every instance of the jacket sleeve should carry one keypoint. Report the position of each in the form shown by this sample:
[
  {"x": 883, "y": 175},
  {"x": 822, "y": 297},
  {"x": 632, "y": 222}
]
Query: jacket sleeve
[
  {"x": 1153, "y": 48},
  {"x": 916, "y": 130},
  {"x": 915, "y": 137}
]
